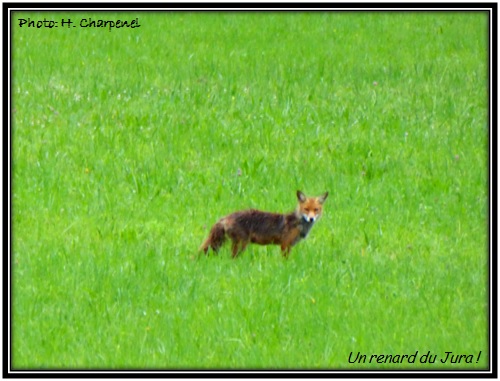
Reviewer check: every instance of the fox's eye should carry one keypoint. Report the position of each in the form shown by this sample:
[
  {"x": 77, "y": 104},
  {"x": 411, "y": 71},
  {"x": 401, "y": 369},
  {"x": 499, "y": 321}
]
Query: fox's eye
[
  {"x": 316, "y": 209},
  {"x": 307, "y": 210}
]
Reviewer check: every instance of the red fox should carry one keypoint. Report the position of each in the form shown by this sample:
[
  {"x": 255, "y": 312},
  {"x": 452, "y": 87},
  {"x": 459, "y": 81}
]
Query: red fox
[{"x": 266, "y": 228}]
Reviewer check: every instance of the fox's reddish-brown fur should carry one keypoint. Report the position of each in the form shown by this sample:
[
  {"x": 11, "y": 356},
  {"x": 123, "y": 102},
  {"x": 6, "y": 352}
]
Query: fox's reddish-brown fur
[{"x": 264, "y": 228}]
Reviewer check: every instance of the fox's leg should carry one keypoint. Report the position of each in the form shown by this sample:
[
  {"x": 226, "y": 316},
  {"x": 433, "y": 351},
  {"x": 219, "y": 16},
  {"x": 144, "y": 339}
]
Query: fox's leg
[
  {"x": 288, "y": 242},
  {"x": 285, "y": 250},
  {"x": 236, "y": 249},
  {"x": 239, "y": 237}
]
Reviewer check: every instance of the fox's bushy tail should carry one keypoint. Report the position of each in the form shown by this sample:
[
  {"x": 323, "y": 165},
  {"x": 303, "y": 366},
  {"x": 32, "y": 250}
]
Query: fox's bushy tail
[{"x": 215, "y": 239}]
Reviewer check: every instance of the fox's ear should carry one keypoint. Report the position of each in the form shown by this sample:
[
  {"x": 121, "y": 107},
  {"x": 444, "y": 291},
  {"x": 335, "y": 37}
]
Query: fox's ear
[
  {"x": 301, "y": 196},
  {"x": 322, "y": 198}
]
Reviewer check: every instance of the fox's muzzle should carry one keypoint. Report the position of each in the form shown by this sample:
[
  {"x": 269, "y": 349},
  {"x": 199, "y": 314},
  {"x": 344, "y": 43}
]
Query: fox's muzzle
[{"x": 309, "y": 219}]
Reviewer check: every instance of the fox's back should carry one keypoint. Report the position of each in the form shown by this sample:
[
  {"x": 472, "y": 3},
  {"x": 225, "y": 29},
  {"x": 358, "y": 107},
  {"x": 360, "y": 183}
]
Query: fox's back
[
  {"x": 260, "y": 227},
  {"x": 257, "y": 220}
]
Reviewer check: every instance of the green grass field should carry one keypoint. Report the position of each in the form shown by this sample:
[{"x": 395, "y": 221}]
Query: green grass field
[{"x": 129, "y": 144}]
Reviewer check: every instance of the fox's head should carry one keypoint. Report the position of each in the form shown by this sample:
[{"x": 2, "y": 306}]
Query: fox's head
[{"x": 310, "y": 207}]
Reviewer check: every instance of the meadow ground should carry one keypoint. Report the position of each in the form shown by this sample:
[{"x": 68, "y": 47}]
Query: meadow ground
[{"x": 129, "y": 144}]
